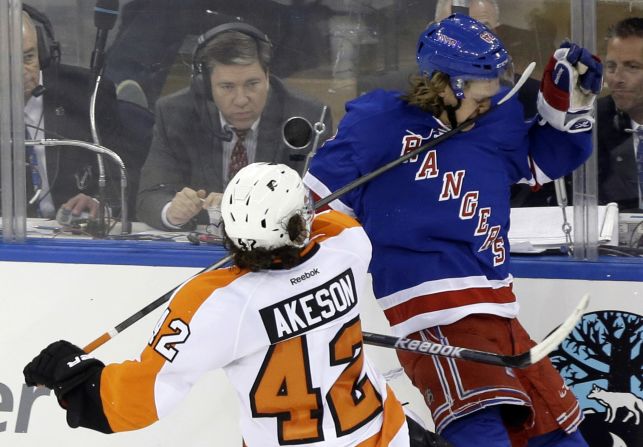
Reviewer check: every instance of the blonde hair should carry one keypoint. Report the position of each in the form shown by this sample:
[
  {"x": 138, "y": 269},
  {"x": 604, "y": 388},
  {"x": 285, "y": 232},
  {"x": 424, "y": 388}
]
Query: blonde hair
[{"x": 424, "y": 92}]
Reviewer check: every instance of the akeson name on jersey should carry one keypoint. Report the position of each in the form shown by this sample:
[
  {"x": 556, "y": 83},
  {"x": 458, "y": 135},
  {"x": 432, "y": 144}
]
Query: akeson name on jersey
[{"x": 316, "y": 307}]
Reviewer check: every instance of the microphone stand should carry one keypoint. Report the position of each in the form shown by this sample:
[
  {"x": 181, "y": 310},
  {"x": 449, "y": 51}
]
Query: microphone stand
[
  {"x": 102, "y": 179},
  {"x": 319, "y": 128},
  {"x": 99, "y": 150}
]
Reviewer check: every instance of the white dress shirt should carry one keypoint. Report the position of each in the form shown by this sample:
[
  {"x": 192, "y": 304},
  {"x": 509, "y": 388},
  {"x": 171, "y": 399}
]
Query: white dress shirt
[{"x": 35, "y": 116}]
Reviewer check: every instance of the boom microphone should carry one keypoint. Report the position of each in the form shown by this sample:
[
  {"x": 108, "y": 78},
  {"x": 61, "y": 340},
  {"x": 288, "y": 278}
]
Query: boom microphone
[
  {"x": 38, "y": 91},
  {"x": 105, "y": 15}
]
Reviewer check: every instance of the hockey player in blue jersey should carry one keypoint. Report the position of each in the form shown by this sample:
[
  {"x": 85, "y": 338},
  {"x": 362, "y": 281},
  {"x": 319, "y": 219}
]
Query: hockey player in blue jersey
[{"x": 439, "y": 222}]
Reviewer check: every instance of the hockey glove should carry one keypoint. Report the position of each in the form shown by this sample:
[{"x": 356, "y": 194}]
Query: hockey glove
[
  {"x": 61, "y": 366},
  {"x": 572, "y": 79}
]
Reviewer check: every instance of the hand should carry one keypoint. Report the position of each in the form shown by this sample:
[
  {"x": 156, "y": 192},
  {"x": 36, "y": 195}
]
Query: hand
[
  {"x": 60, "y": 366},
  {"x": 80, "y": 203},
  {"x": 186, "y": 204},
  {"x": 212, "y": 204},
  {"x": 568, "y": 88},
  {"x": 213, "y": 200}
]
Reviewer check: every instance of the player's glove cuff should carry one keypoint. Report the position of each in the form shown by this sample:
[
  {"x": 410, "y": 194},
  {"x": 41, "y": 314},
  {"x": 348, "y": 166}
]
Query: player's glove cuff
[{"x": 566, "y": 121}]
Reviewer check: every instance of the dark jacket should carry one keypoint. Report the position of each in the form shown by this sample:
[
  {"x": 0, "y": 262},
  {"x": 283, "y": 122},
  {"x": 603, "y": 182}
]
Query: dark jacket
[
  {"x": 617, "y": 171},
  {"x": 73, "y": 170},
  {"x": 187, "y": 148}
]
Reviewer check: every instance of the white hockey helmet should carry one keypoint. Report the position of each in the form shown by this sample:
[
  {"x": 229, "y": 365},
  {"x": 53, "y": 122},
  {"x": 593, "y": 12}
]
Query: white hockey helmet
[{"x": 258, "y": 203}]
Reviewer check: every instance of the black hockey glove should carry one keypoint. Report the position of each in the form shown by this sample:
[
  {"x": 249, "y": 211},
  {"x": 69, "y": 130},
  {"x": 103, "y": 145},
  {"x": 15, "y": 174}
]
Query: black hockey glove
[
  {"x": 423, "y": 438},
  {"x": 61, "y": 366}
]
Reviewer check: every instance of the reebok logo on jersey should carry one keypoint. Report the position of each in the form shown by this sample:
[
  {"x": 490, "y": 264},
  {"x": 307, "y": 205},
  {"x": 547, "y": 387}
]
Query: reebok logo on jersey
[
  {"x": 300, "y": 313},
  {"x": 305, "y": 276}
]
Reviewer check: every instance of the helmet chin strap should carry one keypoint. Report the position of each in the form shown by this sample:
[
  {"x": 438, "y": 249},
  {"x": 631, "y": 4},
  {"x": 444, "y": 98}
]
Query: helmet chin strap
[{"x": 453, "y": 121}]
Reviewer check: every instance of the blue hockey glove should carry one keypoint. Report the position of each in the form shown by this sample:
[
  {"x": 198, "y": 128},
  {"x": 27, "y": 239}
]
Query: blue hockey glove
[{"x": 572, "y": 79}]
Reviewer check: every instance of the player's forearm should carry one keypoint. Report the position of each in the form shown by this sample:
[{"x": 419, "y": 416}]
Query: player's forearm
[
  {"x": 558, "y": 153},
  {"x": 84, "y": 406}
]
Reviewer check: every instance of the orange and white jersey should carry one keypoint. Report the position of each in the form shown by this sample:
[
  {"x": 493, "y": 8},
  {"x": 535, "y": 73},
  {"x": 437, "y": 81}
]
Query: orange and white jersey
[{"x": 290, "y": 342}]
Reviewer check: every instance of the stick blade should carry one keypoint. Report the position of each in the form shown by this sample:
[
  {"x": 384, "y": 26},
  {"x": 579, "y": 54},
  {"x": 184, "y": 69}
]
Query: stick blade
[
  {"x": 542, "y": 349},
  {"x": 523, "y": 78}
]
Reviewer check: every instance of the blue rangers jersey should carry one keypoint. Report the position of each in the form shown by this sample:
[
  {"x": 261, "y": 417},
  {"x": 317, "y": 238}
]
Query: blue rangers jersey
[{"x": 439, "y": 222}]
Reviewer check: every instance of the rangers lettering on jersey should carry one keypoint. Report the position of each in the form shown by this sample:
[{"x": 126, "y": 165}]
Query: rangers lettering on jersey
[
  {"x": 453, "y": 189},
  {"x": 300, "y": 313}
]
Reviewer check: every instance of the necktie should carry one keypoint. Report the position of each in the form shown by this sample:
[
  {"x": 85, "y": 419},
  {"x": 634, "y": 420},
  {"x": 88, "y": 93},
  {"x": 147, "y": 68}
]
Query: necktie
[
  {"x": 35, "y": 184},
  {"x": 239, "y": 156},
  {"x": 639, "y": 163}
]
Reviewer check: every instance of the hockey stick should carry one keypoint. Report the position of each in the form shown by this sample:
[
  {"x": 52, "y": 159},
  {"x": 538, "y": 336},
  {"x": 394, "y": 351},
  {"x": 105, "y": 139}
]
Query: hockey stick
[
  {"x": 320, "y": 203},
  {"x": 523, "y": 360}
]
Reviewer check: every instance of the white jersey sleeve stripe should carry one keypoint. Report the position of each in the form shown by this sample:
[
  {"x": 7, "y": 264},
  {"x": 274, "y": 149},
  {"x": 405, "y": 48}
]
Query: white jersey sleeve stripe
[{"x": 441, "y": 285}]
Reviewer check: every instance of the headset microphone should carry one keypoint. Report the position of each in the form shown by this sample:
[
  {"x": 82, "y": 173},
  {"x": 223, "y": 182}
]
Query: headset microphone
[
  {"x": 225, "y": 135},
  {"x": 105, "y": 15},
  {"x": 38, "y": 91},
  {"x": 208, "y": 111}
]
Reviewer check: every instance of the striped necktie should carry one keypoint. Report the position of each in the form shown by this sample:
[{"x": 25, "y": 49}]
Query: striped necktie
[
  {"x": 639, "y": 163},
  {"x": 34, "y": 173},
  {"x": 239, "y": 155}
]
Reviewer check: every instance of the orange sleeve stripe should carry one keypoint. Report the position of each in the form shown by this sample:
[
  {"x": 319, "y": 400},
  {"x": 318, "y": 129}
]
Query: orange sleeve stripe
[{"x": 127, "y": 389}]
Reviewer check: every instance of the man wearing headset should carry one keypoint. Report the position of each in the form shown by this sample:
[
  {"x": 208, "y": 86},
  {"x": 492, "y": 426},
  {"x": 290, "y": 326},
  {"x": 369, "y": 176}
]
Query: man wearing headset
[
  {"x": 57, "y": 99},
  {"x": 231, "y": 115}
]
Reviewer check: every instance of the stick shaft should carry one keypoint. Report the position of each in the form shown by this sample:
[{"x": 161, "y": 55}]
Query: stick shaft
[
  {"x": 105, "y": 337},
  {"x": 522, "y": 360}
]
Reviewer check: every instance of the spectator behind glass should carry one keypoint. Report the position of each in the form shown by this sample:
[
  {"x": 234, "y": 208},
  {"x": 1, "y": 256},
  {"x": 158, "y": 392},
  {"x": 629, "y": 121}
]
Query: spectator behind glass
[
  {"x": 232, "y": 114},
  {"x": 57, "y": 99},
  {"x": 620, "y": 115}
]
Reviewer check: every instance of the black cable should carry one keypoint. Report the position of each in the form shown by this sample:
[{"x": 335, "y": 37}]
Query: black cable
[{"x": 620, "y": 251}]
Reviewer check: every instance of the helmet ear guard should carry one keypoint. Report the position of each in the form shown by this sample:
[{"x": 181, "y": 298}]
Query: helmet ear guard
[{"x": 258, "y": 204}]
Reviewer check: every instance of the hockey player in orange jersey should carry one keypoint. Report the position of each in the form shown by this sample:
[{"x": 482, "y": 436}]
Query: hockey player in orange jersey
[{"x": 283, "y": 323}]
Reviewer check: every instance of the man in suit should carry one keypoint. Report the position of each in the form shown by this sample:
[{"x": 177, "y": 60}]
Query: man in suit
[
  {"x": 620, "y": 117},
  {"x": 231, "y": 115},
  {"x": 57, "y": 99}
]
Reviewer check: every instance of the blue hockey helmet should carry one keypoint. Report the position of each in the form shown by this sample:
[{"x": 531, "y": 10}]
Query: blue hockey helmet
[{"x": 463, "y": 48}]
